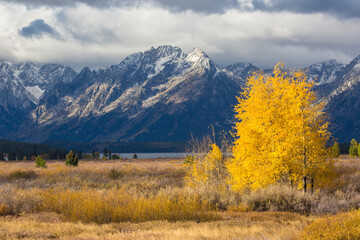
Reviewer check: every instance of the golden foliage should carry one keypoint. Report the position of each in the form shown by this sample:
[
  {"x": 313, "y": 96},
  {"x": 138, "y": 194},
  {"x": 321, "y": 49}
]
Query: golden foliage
[
  {"x": 207, "y": 170},
  {"x": 281, "y": 132}
]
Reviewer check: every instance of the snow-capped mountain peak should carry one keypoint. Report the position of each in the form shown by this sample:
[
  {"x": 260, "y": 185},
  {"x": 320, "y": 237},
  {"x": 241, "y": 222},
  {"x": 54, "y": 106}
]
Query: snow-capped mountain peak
[
  {"x": 31, "y": 80},
  {"x": 198, "y": 58},
  {"x": 159, "y": 94},
  {"x": 324, "y": 72}
]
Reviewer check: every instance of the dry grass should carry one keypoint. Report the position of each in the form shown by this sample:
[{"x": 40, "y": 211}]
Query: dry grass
[
  {"x": 340, "y": 226},
  {"x": 250, "y": 225},
  {"x": 50, "y": 203}
]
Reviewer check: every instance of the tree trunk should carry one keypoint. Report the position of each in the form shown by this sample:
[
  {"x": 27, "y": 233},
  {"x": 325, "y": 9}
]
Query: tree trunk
[
  {"x": 304, "y": 184},
  {"x": 312, "y": 185}
]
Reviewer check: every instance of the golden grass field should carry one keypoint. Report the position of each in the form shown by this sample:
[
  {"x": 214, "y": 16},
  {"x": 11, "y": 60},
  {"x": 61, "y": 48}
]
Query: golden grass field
[{"x": 147, "y": 199}]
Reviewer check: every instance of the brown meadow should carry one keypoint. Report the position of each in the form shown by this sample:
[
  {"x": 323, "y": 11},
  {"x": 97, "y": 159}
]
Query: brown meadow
[{"x": 147, "y": 199}]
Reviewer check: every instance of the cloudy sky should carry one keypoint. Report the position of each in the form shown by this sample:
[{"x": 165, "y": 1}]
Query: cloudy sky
[{"x": 98, "y": 33}]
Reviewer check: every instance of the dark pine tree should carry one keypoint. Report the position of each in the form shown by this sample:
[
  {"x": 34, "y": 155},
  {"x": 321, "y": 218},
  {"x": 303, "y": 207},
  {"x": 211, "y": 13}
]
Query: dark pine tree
[
  {"x": 105, "y": 151},
  {"x": 80, "y": 154},
  {"x": 11, "y": 156},
  {"x": 72, "y": 159},
  {"x": 20, "y": 154},
  {"x": 32, "y": 153}
]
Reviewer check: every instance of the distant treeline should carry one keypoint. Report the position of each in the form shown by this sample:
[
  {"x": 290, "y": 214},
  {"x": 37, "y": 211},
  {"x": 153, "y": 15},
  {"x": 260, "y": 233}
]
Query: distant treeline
[
  {"x": 344, "y": 148},
  {"x": 124, "y": 147},
  {"x": 19, "y": 151},
  {"x": 12, "y": 150}
]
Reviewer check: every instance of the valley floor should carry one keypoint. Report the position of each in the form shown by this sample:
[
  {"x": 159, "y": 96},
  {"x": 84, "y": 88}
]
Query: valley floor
[{"x": 147, "y": 199}]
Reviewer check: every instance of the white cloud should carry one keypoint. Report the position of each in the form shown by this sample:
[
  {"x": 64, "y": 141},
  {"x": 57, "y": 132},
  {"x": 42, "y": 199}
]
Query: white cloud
[{"x": 99, "y": 37}]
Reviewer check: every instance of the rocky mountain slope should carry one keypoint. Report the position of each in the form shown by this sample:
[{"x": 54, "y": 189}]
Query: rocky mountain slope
[
  {"x": 343, "y": 103},
  {"x": 162, "y": 94},
  {"x": 21, "y": 87}
]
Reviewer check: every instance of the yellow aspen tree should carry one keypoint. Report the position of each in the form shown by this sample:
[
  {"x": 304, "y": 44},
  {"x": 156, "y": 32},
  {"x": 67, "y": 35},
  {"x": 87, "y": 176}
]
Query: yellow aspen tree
[
  {"x": 206, "y": 170},
  {"x": 280, "y": 132}
]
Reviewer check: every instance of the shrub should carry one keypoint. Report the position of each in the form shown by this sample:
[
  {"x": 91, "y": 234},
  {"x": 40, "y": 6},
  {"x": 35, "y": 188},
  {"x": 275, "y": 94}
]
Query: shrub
[
  {"x": 208, "y": 170},
  {"x": 115, "y": 174},
  {"x": 340, "y": 226},
  {"x": 40, "y": 162},
  {"x": 4, "y": 209},
  {"x": 72, "y": 159},
  {"x": 135, "y": 156},
  {"x": 279, "y": 198},
  {"x": 19, "y": 174},
  {"x": 18, "y": 201},
  {"x": 114, "y": 156},
  {"x": 121, "y": 206},
  {"x": 87, "y": 156}
]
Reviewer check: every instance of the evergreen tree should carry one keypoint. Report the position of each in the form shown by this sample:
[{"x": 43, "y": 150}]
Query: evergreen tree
[
  {"x": 62, "y": 154},
  {"x": 72, "y": 159},
  {"x": 335, "y": 150},
  {"x": 109, "y": 153},
  {"x": 2, "y": 156},
  {"x": 11, "y": 156},
  {"x": 20, "y": 154},
  {"x": 32, "y": 153},
  {"x": 105, "y": 151},
  {"x": 40, "y": 162},
  {"x": 80, "y": 154},
  {"x": 353, "y": 151}
]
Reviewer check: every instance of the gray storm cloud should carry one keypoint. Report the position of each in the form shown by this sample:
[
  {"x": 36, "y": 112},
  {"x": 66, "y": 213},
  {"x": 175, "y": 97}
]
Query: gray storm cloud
[
  {"x": 342, "y": 8},
  {"x": 258, "y": 31},
  {"x": 37, "y": 29}
]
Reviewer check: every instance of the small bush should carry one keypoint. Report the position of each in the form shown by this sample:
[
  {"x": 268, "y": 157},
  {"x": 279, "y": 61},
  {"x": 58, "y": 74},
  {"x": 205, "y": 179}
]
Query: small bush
[
  {"x": 4, "y": 209},
  {"x": 135, "y": 156},
  {"x": 19, "y": 201},
  {"x": 40, "y": 162},
  {"x": 18, "y": 174},
  {"x": 189, "y": 159},
  {"x": 72, "y": 159},
  {"x": 279, "y": 198},
  {"x": 114, "y": 157},
  {"x": 338, "y": 227},
  {"x": 115, "y": 174}
]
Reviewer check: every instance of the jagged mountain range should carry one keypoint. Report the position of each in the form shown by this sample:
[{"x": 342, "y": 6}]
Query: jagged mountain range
[{"x": 162, "y": 94}]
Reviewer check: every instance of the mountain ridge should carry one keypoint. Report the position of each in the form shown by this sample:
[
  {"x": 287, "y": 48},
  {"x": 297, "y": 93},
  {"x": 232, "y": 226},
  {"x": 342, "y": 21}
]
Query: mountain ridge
[{"x": 162, "y": 94}]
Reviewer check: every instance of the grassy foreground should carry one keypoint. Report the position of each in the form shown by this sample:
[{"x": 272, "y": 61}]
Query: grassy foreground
[
  {"x": 147, "y": 199},
  {"x": 250, "y": 225}
]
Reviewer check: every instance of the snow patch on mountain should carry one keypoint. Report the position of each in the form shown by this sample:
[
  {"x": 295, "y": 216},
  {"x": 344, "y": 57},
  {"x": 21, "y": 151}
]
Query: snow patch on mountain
[
  {"x": 324, "y": 72},
  {"x": 159, "y": 65},
  {"x": 357, "y": 66},
  {"x": 36, "y": 91}
]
